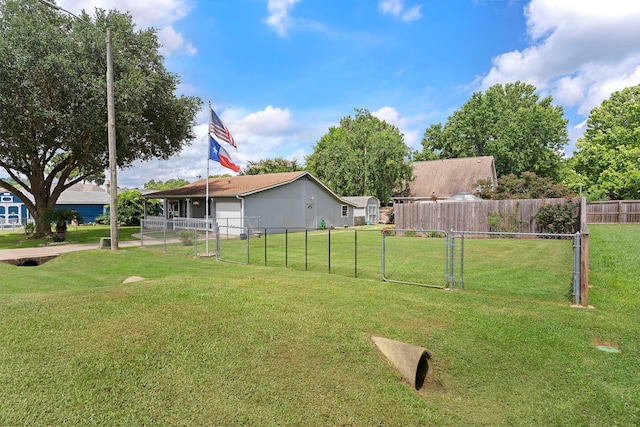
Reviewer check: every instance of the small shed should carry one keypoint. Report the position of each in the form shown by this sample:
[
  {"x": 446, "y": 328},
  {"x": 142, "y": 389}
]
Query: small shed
[
  {"x": 276, "y": 201},
  {"x": 366, "y": 209}
]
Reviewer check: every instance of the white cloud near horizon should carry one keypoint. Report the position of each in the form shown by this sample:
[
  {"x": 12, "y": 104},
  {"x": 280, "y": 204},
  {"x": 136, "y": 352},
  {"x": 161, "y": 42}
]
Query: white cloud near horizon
[
  {"x": 397, "y": 9},
  {"x": 580, "y": 51}
]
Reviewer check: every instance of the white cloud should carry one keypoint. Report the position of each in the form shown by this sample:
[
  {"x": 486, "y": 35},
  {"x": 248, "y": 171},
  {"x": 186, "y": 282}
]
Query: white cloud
[
  {"x": 160, "y": 14},
  {"x": 580, "y": 51},
  {"x": 411, "y": 127},
  {"x": 258, "y": 135},
  {"x": 396, "y": 8},
  {"x": 268, "y": 122},
  {"x": 172, "y": 41},
  {"x": 279, "y": 17}
]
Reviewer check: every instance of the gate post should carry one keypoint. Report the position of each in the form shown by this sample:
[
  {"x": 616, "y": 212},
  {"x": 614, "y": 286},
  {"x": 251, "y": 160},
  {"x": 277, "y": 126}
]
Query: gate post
[
  {"x": 584, "y": 269},
  {"x": 577, "y": 255},
  {"x": 452, "y": 252}
]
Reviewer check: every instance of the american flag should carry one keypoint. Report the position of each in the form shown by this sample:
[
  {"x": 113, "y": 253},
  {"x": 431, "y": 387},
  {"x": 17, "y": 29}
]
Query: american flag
[{"x": 219, "y": 130}]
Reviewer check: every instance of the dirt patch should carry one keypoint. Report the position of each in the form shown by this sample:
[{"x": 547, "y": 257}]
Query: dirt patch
[{"x": 607, "y": 346}]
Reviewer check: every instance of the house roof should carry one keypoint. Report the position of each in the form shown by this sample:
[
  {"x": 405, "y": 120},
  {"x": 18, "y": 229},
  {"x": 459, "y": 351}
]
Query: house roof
[
  {"x": 241, "y": 185},
  {"x": 359, "y": 201},
  {"x": 79, "y": 194},
  {"x": 83, "y": 194},
  {"x": 447, "y": 177}
]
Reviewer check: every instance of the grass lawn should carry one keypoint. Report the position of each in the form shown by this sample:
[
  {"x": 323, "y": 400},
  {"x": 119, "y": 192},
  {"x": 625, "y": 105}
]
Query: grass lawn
[
  {"x": 202, "y": 342},
  {"x": 79, "y": 234}
]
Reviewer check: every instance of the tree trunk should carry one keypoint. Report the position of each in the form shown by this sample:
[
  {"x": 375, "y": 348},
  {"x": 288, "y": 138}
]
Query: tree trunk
[{"x": 42, "y": 229}]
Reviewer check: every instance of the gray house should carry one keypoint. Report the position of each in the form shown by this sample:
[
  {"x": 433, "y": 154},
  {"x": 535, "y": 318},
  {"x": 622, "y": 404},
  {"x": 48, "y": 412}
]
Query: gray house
[
  {"x": 366, "y": 210},
  {"x": 275, "y": 201}
]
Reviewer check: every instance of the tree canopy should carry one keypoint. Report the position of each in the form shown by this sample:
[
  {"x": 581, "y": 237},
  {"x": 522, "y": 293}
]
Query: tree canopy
[
  {"x": 169, "y": 184},
  {"x": 274, "y": 165},
  {"x": 607, "y": 160},
  {"x": 53, "y": 109},
  {"x": 362, "y": 156},
  {"x": 511, "y": 123}
]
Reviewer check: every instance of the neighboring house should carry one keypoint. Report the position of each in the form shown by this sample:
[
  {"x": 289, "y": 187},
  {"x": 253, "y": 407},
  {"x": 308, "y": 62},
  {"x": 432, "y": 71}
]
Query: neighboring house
[
  {"x": 13, "y": 213},
  {"x": 89, "y": 200},
  {"x": 275, "y": 201},
  {"x": 366, "y": 210},
  {"x": 441, "y": 179}
]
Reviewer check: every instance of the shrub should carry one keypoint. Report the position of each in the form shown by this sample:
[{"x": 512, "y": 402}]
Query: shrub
[
  {"x": 558, "y": 218},
  {"x": 185, "y": 237},
  {"x": 505, "y": 222},
  {"x": 29, "y": 228}
]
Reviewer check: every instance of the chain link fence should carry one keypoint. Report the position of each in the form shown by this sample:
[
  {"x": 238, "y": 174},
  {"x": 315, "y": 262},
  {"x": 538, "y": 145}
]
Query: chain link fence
[
  {"x": 510, "y": 265},
  {"x": 519, "y": 265}
]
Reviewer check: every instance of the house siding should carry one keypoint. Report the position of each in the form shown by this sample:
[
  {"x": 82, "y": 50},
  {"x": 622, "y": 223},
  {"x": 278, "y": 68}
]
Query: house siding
[
  {"x": 89, "y": 213},
  {"x": 299, "y": 204}
]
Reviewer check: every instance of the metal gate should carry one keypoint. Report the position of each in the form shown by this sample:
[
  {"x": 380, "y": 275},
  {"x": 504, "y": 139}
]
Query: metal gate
[{"x": 418, "y": 257}]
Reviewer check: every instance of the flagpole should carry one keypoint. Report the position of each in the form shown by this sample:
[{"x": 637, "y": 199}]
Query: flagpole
[{"x": 206, "y": 201}]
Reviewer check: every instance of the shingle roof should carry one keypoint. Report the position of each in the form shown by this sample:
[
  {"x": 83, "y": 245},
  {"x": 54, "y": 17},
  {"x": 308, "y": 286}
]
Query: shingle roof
[
  {"x": 358, "y": 201},
  {"x": 83, "y": 194},
  {"x": 241, "y": 185},
  {"x": 79, "y": 194},
  {"x": 448, "y": 177}
]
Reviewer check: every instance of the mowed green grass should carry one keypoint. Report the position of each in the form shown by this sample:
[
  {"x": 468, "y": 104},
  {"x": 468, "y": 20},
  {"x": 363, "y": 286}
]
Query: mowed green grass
[
  {"x": 75, "y": 234},
  {"x": 202, "y": 342}
]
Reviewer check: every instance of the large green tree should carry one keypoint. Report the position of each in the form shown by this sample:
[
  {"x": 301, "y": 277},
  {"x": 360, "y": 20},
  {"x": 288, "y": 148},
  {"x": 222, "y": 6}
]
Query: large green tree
[
  {"x": 362, "y": 156},
  {"x": 53, "y": 112},
  {"x": 275, "y": 165},
  {"x": 607, "y": 160},
  {"x": 511, "y": 123}
]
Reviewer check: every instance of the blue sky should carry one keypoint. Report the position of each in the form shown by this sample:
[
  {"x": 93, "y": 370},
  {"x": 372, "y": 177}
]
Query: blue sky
[{"x": 281, "y": 72}]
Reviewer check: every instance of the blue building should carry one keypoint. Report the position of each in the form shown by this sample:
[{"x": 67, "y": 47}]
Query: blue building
[
  {"x": 89, "y": 200},
  {"x": 13, "y": 213}
]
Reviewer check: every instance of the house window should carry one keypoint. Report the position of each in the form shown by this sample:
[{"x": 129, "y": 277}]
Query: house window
[{"x": 345, "y": 211}]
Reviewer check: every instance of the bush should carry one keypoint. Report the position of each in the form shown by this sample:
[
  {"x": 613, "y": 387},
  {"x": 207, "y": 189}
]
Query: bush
[
  {"x": 186, "y": 237},
  {"x": 558, "y": 218},
  {"x": 29, "y": 228},
  {"x": 505, "y": 222}
]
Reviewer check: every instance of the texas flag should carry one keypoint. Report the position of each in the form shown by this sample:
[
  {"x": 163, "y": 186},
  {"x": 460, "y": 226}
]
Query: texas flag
[{"x": 220, "y": 155}]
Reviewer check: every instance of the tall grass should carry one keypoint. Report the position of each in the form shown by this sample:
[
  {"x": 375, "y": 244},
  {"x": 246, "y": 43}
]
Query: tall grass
[{"x": 201, "y": 342}]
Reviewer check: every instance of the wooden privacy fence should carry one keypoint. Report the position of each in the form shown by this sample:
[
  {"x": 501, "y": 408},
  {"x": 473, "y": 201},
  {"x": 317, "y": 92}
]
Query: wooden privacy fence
[
  {"x": 472, "y": 215},
  {"x": 614, "y": 212}
]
